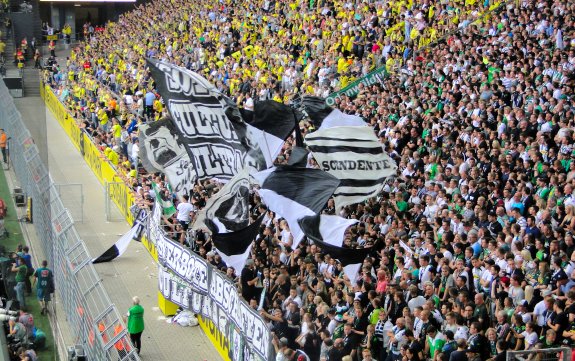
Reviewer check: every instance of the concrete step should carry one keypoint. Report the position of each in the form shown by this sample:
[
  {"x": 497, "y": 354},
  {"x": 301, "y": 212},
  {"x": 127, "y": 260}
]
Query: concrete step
[{"x": 31, "y": 82}]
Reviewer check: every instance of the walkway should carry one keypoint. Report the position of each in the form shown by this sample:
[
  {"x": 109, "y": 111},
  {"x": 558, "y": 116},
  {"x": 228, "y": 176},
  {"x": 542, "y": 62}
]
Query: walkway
[{"x": 135, "y": 273}]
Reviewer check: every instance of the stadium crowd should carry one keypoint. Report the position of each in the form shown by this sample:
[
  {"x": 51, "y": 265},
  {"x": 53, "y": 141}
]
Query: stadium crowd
[{"x": 473, "y": 248}]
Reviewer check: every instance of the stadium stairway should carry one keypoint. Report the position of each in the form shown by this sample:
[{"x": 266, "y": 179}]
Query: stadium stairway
[{"x": 31, "y": 80}]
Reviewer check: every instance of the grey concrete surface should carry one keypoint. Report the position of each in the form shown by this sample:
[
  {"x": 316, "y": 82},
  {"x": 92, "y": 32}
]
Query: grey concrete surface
[{"x": 135, "y": 273}]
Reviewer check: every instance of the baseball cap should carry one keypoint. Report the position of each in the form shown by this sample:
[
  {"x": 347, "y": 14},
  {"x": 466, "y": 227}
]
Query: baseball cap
[
  {"x": 523, "y": 303},
  {"x": 338, "y": 318}
]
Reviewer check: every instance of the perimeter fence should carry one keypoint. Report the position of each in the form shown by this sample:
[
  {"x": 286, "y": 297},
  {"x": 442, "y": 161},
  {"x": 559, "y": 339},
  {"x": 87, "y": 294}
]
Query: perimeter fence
[{"x": 94, "y": 321}]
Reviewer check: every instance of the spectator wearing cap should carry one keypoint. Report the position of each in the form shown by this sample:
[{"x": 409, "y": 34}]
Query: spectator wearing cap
[
  {"x": 280, "y": 346},
  {"x": 522, "y": 310},
  {"x": 338, "y": 324}
]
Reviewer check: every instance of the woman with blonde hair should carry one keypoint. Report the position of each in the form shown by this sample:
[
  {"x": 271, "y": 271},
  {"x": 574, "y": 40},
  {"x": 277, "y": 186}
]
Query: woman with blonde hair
[
  {"x": 529, "y": 266},
  {"x": 569, "y": 219},
  {"x": 491, "y": 335}
]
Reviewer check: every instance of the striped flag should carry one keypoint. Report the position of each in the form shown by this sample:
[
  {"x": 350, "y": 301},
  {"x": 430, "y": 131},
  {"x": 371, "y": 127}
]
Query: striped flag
[
  {"x": 120, "y": 246},
  {"x": 235, "y": 247},
  {"x": 354, "y": 156},
  {"x": 294, "y": 192},
  {"x": 328, "y": 233}
]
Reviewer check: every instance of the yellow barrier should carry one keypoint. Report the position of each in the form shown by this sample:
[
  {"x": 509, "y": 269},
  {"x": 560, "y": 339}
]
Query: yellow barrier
[
  {"x": 220, "y": 342},
  {"x": 120, "y": 193}
]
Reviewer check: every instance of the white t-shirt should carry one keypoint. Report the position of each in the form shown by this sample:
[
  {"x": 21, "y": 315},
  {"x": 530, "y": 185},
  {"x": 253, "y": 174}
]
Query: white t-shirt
[
  {"x": 530, "y": 339},
  {"x": 184, "y": 210},
  {"x": 538, "y": 311}
]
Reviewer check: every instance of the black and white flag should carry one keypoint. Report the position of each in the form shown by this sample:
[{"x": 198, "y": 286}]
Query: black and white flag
[
  {"x": 162, "y": 151},
  {"x": 294, "y": 192},
  {"x": 235, "y": 247},
  {"x": 355, "y": 157},
  {"x": 229, "y": 209},
  {"x": 120, "y": 246},
  {"x": 328, "y": 233},
  {"x": 323, "y": 116},
  {"x": 218, "y": 140},
  {"x": 141, "y": 224}
]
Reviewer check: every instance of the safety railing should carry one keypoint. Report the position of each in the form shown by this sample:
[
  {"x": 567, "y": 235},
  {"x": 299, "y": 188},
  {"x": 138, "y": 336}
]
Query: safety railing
[
  {"x": 93, "y": 319},
  {"x": 541, "y": 354}
]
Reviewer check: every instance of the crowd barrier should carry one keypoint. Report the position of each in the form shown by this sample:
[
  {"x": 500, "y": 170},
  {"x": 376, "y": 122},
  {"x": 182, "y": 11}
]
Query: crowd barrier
[
  {"x": 214, "y": 319},
  {"x": 94, "y": 322}
]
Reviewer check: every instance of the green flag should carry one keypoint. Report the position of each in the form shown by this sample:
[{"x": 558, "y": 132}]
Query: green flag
[{"x": 167, "y": 204}]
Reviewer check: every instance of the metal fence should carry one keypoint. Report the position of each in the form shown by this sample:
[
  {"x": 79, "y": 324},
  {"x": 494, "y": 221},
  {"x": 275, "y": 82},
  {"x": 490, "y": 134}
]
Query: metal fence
[
  {"x": 541, "y": 354},
  {"x": 93, "y": 319},
  {"x": 72, "y": 197}
]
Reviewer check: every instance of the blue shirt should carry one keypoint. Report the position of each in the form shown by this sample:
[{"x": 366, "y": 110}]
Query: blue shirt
[{"x": 150, "y": 97}]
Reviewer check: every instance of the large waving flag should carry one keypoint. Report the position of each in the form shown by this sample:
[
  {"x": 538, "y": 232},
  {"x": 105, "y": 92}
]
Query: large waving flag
[
  {"x": 235, "y": 247},
  {"x": 229, "y": 209},
  {"x": 218, "y": 140},
  {"x": 322, "y": 116},
  {"x": 355, "y": 157},
  {"x": 294, "y": 192},
  {"x": 328, "y": 233},
  {"x": 121, "y": 245}
]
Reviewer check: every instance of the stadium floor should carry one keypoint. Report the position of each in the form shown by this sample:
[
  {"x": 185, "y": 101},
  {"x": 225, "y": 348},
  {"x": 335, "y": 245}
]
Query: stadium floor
[{"x": 135, "y": 273}]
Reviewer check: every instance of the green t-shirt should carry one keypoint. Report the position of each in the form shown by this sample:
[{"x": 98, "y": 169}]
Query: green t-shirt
[
  {"x": 21, "y": 273},
  {"x": 435, "y": 344},
  {"x": 401, "y": 205}
]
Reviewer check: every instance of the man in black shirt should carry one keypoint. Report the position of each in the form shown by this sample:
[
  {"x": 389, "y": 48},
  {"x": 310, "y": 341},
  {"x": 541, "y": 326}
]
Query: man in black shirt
[
  {"x": 560, "y": 322},
  {"x": 350, "y": 340},
  {"x": 249, "y": 280},
  {"x": 280, "y": 326},
  {"x": 337, "y": 352}
]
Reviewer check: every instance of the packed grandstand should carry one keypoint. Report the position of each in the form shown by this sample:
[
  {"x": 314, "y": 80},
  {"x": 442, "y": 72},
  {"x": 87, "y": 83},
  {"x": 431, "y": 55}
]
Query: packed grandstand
[{"x": 471, "y": 242}]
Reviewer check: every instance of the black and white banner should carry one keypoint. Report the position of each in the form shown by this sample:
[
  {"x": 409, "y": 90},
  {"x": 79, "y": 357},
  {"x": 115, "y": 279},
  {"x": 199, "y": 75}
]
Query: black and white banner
[
  {"x": 355, "y": 157},
  {"x": 134, "y": 234},
  {"x": 219, "y": 142},
  {"x": 184, "y": 263},
  {"x": 235, "y": 247},
  {"x": 119, "y": 247},
  {"x": 162, "y": 151},
  {"x": 176, "y": 290},
  {"x": 224, "y": 293},
  {"x": 223, "y": 305}
]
